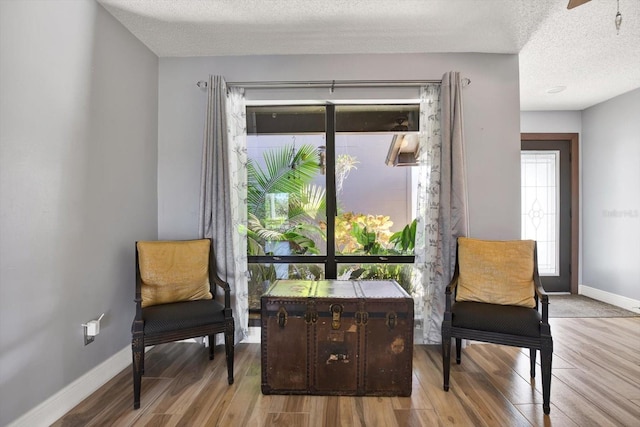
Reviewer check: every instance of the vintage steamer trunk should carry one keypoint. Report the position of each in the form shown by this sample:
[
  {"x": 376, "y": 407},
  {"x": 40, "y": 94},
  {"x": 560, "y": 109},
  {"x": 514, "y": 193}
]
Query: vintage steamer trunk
[{"x": 337, "y": 337}]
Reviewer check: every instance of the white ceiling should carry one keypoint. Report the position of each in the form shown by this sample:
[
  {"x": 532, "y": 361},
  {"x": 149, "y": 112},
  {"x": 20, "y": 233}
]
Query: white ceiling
[{"x": 576, "y": 48}]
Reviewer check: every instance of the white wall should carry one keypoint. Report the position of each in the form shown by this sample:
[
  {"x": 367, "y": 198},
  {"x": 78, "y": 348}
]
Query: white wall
[
  {"x": 611, "y": 195},
  {"x": 551, "y": 121},
  {"x": 78, "y": 159},
  {"x": 492, "y": 126}
]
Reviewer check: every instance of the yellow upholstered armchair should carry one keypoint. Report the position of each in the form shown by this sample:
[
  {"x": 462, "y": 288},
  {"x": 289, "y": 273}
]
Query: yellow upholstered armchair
[
  {"x": 176, "y": 284},
  {"x": 495, "y": 296}
]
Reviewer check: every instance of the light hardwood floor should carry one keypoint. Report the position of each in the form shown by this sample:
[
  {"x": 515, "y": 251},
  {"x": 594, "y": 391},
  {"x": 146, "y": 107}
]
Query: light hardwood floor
[{"x": 596, "y": 382}]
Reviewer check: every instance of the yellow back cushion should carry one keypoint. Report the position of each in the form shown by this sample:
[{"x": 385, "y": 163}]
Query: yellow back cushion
[
  {"x": 496, "y": 272},
  {"x": 174, "y": 271}
]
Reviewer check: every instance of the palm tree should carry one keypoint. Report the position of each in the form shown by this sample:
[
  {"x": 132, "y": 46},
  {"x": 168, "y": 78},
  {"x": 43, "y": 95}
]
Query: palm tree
[{"x": 288, "y": 172}]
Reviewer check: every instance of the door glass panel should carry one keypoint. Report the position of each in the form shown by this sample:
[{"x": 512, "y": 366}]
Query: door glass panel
[{"x": 540, "y": 203}]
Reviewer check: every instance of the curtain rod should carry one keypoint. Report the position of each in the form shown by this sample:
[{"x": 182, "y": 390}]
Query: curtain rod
[{"x": 330, "y": 84}]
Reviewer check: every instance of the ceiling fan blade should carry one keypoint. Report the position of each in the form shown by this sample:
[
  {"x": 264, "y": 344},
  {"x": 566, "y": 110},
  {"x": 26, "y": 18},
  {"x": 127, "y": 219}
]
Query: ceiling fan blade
[{"x": 576, "y": 3}]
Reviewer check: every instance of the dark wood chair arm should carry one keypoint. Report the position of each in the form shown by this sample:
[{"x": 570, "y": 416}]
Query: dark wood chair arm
[
  {"x": 450, "y": 290},
  {"x": 542, "y": 297},
  {"x": 540, "y": 292},
  {"x": 225, "y": 287},
  {"x": 215, "y": 279},
  {"x": 138, "y": 298},
  {"x": 451, "y": 287}
]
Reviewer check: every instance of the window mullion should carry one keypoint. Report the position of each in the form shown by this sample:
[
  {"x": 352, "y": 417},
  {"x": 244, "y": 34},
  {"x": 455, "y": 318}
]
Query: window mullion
[{"x": 331, "y": 268}]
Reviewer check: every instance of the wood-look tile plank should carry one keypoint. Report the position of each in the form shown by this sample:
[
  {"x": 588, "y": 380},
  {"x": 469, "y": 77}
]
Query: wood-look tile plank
[
  {"x": 113, "y": 404},
  {"x": 487, "y": 402},
  {"x": 208, "y": 407},
  {"x": 500, "y": 372},
  {"x": 187, "y": 382},
  {"x": 246, "y": 396},
  {"x": 167, "y": 360},
  {"x": 210, "y": 402},
  {"x": 559, "y": 362},
  {"x": 417, "y": 418},
  {"x": 610, "y": 368},
  {"x": 350, "y": 412},
  {"x": 287, "y": 420},
  {"x": 262, "y": 405},
  {"x": 378, "y": 411},
  {"x": 537, "y": 418},
  {"x": 602, "y": 394},
  {"x": 83, "y": 413},
  {"x": 595, "y": 382},
  {"x": 453, "y": 406},
  {"x": 289, "y": 403},
  {"x": 324, "y": 410},
  {"x": 490, "y": 383},
  {"x": 580, "y": 410},
  {"x": 345, "y": 411},
  {"x": 158, "y": 420},
  {"x": 593, "y": 334},
  {"x": 417, "y": 400}
]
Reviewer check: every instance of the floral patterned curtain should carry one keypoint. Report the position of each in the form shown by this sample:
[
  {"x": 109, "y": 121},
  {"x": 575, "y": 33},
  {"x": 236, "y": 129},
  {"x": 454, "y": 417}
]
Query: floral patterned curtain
[
  {"x": 442, "y": 200},
  {"x": 223, "y": 195}
]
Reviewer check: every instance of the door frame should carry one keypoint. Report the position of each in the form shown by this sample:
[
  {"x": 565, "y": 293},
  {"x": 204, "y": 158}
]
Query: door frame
[{"x": 573, "y": 139}]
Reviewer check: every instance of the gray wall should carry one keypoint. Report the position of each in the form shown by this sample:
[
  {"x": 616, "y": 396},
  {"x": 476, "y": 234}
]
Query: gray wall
[
  {"x": 611, "y": 195},
  {"x": 492, "y": 123},
  {"x": 609, "y": 188},
  {"x": 78, "y": 184}
]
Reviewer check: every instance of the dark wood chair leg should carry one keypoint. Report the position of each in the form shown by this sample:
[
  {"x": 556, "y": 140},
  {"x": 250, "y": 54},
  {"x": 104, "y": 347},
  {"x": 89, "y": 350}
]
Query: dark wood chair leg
[
  {"x": 446, "y": 360},
  {"x": 546, "y": 355},
  {"x": 137, "y": 351},
  {"x": 458, "y": 350},
  {"x": 212, "y": 344},
  {"x": 142, "y": 361},
  {"x": 229, "y": 349},
  {"x": 532, "y": 359}
]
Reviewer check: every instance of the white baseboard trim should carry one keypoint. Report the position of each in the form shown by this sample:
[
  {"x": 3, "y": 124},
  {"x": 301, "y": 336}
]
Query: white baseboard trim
[
  {"x": 613, "y": 299},
  {"x": 63, "y": 401}
]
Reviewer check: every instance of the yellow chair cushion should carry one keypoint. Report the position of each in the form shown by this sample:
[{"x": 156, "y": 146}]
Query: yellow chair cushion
[
  {"x": 174, "y": 271},
  {"x": 496, "y": 272}
]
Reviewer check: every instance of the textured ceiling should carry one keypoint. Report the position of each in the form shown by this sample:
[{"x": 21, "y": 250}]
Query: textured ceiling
[{"x": 578, "y": 49}]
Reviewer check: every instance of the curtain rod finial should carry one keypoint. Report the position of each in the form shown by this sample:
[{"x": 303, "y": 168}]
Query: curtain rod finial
[
  {"x": 466, "y": 81},
  {"x": 202, "y": 84}
]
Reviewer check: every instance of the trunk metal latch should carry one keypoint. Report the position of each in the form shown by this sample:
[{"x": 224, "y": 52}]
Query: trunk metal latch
[
  {"x": 392, "y": 320},
  {"x": 336, "y": 311},
  {"x": 282, "y": 317}
]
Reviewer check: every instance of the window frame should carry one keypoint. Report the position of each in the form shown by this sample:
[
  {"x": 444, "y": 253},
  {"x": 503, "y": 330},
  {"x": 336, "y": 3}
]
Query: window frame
[{"x": 332, "y": 260}]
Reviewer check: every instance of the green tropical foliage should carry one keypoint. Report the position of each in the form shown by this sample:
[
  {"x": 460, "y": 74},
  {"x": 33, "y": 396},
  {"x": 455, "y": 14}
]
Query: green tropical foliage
[
  {"x": 287, "y": 172},
  {"x": 366, "y": 238},
  {"x": 405, "y": 241}
]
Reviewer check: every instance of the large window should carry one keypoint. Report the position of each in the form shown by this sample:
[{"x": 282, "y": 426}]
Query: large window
[{"x": 328, "y": 196}]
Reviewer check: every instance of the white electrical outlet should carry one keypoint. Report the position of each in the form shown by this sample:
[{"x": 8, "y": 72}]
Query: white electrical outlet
[{"x": 91, "y": 329}]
